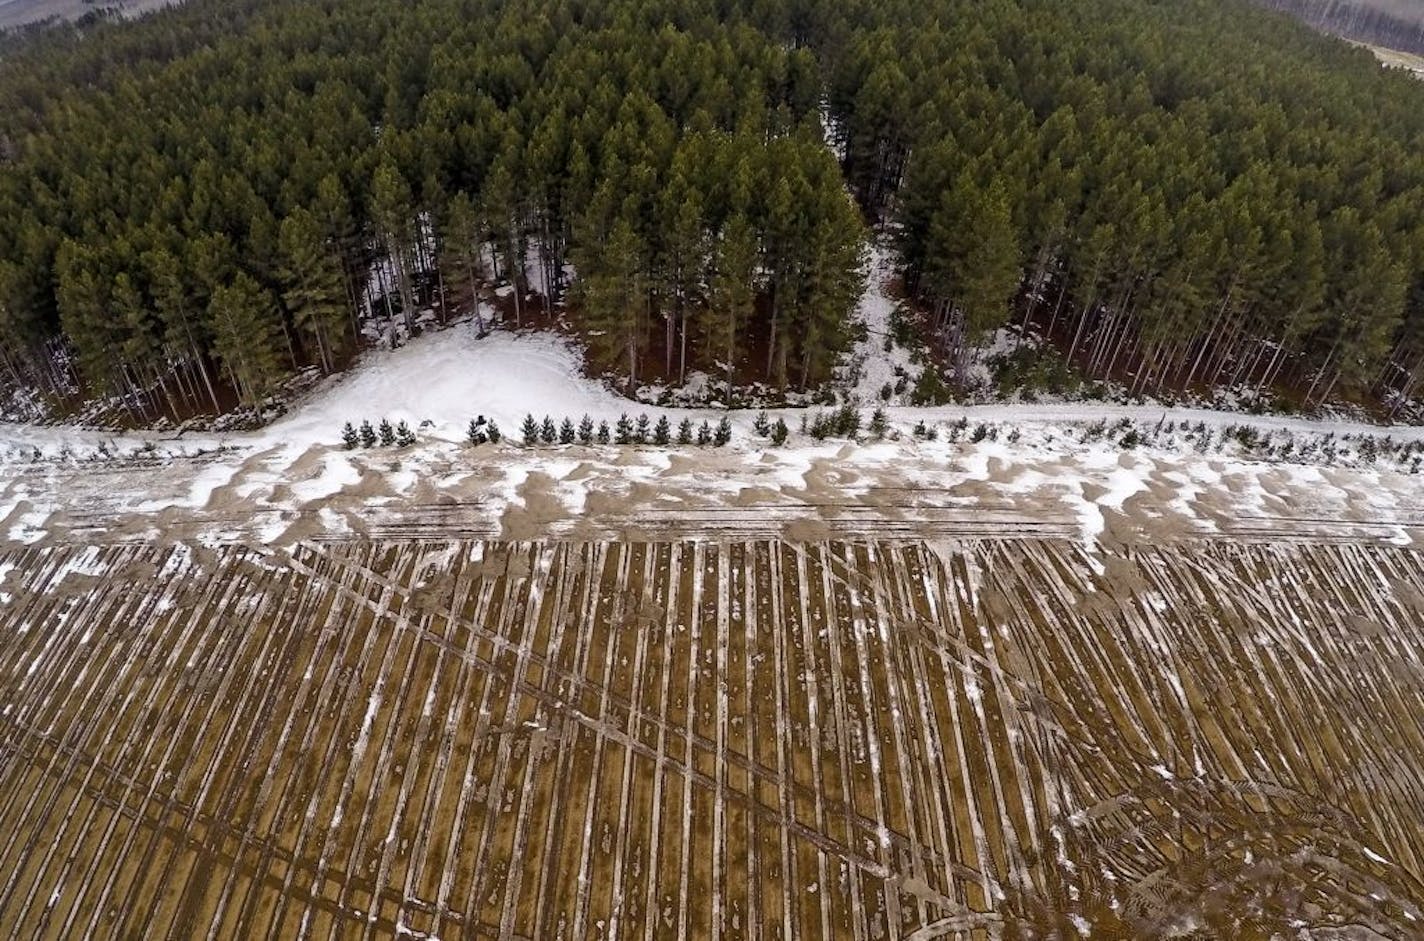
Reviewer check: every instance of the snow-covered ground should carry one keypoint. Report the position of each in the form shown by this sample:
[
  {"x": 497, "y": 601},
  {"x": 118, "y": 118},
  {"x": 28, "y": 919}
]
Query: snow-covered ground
[{"x": 1047, "y": 469}]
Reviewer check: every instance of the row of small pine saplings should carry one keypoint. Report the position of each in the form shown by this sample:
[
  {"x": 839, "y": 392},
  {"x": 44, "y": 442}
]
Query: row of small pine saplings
[{"x": 641, "y": 430}]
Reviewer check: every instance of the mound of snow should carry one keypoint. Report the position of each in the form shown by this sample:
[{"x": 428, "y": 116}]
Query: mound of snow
[{"x": 449, "y": 377}]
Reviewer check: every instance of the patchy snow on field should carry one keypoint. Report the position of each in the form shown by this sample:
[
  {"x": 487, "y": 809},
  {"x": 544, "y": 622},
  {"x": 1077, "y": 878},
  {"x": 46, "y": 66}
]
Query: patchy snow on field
[{"x": 1068, "y": 469}]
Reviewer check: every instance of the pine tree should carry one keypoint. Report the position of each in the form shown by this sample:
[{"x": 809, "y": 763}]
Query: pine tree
[
  {"x": 548, "y": 432},
  {"x": 704, "y": 434},
  {"x": 566, "y": 432},
  {"x": 405, "y": 437},
  {"x": 387, "y": 433},
  {"x": 245, "y": 325},
  {"x": 684, "y": 431},
  {"x": 477, "y": 434},
  {"x": 313, "y": 289},
  {"x": 640, "y": 430},
  {"x": 603, "y": 436},
  {"x": 614, "y": 294},
  {"x": 585, "y": 430},
  {"x": 724, "y": 432},
  {"x": 393, "y": 209},
  {"x": 761, "y": 424},
  {"x": 662, "y": 432},
  {"x": 461, "y": 259},
  {"x": 493, "y": 431},
  {"x": 779, "y": 432},
  {"x": 368, "y": 435},
  {"x": 733, "y": 294},
  {"x": 349, "y": 437},
  {"x": 623, "y": 431},
  {"x": 530, "y": 430},
  {"x": 879, "y": 423}
]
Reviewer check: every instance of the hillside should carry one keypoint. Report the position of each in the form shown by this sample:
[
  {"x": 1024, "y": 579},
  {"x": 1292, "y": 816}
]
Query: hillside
[{"x": 1392, "y": 24}]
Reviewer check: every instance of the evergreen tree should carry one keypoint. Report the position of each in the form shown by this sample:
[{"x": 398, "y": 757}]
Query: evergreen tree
[
  {"x": 349, "y": 437},
  {"x": 684, "y": 431},
  {"x": 405, "y": 437},
  {"x": 387, "y": 433},
  {"x": 614, "y": 295},
  {"x": 242, "y": 316},
  {"x": 603, "y": 436},
  {"x": 662, "y": 432},
  {"x": 493, "y": 431},
  {"x": 724, "y": 432},
  {"x": 566, "y": 432},
  {"x": 530, "y": 430},
  {"x": 368, "y": 435},
  {"x": 704, "y": 434},
  {"x": 548, "y": 432},
  {"x": 640, "y": 429},
  {"x": 393, "y": 209},
  {"x": 476, "y": 434},
  {"x": 313, "y": 288},
  {"x": 879, "y": 424},
  {"x": 585, "y": 430},
  {"x": 461, "y": 259}
]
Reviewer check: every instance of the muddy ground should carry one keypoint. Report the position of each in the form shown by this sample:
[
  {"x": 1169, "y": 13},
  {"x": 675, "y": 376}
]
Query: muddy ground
[{"x": 731, "y": 737}]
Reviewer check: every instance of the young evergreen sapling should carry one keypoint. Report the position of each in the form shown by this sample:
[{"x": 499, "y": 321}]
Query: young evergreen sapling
[
  {"x": 662, "y": 432},
  {"x": 349, "y": 437}
]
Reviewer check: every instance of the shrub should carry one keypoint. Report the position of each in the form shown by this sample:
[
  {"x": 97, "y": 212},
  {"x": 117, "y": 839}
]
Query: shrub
[{"x": 930, "y": 388}]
